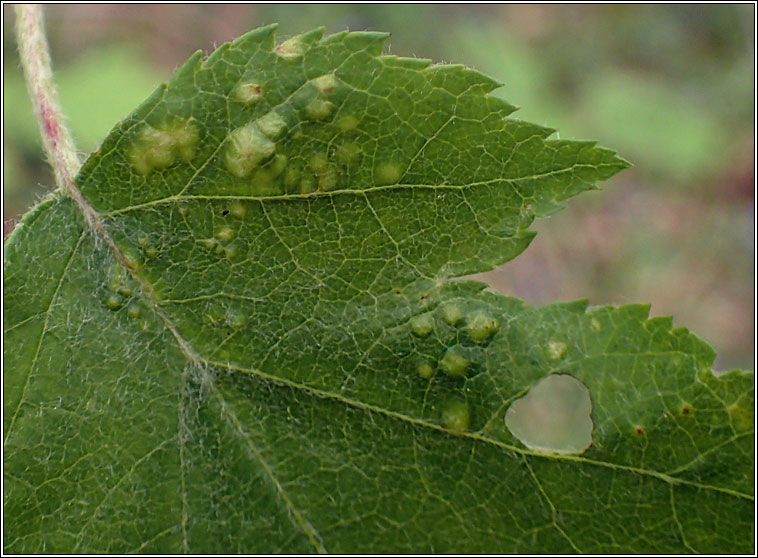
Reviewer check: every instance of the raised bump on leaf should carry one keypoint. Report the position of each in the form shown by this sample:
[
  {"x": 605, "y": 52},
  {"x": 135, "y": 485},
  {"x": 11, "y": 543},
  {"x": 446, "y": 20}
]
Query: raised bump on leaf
[
  {"x": 556, "y": 350},
  {"x": 456, "y": 415},
  {"x": 480, "y": 326},
  {"x": 225, "y": 234},
  {"x": 238, "y": 209},
  {"x": 113, "y": 302},
  {"x": 161, "y": 147},
  {"x": 133, "y": 310},
  {"x": 248, "y": 93},
  {"x": 425, "y": 369},
  {"x": 271, "y": 124},
  {"x": 348, "y": 122},
  {"x": 325, "y": 84},
  {"x": 319, "y": 109},
  {"x": 246, "y": 148},
  {"x": 452, "y": 313},
  {"x": 387, "y": 173},
  {"x": 455, "y": 362},
  {"x": 422, "y": 325}
]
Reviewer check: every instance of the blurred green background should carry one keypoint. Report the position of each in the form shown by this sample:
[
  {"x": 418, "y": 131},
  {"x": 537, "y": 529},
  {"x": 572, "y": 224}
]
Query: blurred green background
[{"x": 668, "y": 86}]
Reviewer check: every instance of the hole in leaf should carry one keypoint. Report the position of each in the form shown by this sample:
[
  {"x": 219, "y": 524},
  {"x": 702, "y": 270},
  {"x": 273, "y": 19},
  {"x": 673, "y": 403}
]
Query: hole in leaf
[{"x": 554, "y": 416}]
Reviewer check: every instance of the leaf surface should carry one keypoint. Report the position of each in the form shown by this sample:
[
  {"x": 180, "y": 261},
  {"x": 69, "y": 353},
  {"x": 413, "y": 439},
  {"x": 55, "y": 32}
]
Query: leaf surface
[{"x": 257, "y": 346}]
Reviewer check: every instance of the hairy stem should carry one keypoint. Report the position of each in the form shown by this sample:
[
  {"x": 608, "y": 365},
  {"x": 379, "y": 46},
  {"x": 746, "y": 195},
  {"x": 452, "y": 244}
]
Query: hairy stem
[{"x": 35, "y": 59}]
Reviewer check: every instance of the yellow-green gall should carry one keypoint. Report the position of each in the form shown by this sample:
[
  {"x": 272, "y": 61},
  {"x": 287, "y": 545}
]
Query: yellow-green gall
[
  {"x": 319, "y": 109},
  {"x": 131, "y": 259},
  {"x": 113, "y": 302},
  {"x": 124, "y": 290},
  {"x": 159, "y": 148},
  {"x": 327, "y": 180},
  {"x": 246, "y": 148},
  {"x": 291, "y": 49},
  {"x": 422, "y": 325},
  {"x": 248, "y": 93},
  {"x": 235, "y": 319},
  {"x": 456, "y": 415},
  {"x": 347, "y": 123},
  {"x": 225, "y": 234},
  {"x": 271, "y": 124},
  {"x": 133, "y": 310},
  {"x": 387, "y": 173},
  {"x": 208, "y": 243},
  {"x": 556, "y": 350},
  {"x": 425, "y": 370},
  {"x": 347, "y": 153},
  {"x": 325, "y": 84},
  {"x": 238, "y": 209},
  {"x": 454, "y": 363},
  {"x": 480, "y": 327},
  {"x": 452, "y": 313},
  {"x": 231, "y": 250}
]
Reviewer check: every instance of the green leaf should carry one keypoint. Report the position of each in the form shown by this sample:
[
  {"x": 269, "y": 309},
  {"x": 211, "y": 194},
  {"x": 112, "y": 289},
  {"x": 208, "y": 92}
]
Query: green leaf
[{"x": 255, "y": 346}]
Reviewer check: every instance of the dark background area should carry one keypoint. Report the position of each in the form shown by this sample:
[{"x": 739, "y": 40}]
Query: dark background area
[{"x": 671, "y": 87}]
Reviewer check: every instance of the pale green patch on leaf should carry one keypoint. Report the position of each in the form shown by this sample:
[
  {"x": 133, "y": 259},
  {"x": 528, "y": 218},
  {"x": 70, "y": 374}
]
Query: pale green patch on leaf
[{"x": 260, "y": 348}]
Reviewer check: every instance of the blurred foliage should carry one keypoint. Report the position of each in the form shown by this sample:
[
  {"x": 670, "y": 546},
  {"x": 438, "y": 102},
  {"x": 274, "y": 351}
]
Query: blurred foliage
[{"x": 671, "y": 87}]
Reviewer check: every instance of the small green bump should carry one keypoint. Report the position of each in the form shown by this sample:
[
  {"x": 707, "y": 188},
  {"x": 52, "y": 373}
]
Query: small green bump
[
  {"x": 271, "y": 124},
  {"x": 454, "y": 363},
  {"x": 595, "y": 324},
  {"x": 307, "y": 184},
  {"x": 133, "y": 310},
  {"x": 225, "y": 234},
  {"x": 238, "y": 209},
  {"x": 347, "y": 153},
  {"x": 291, "y": 49},
  {"x": 231, "y": 250},
  {"x": 687, "y": 410},
  {"x": 425, "y": 370},
  {"x": 131, "y": 258},
  {"x": 327, "y": 180},
  {"x": 159, "y": 148},
  {"x": 319, "y": 162},
  {"x": 151, "y": 252},
  {"x": 235, "y": 319},
  {"x": 556, "y": 350},
  {"x": 387, "y": 173},
  {"x": 113, "y": 302},
  {"x": 638, "y": 431},
  {"x": 208, "y": 243},
  {"x": 142, "y": 239},
  {"x": 246, "y": 148},
  {"x": 422, "y": 325},
  {"x": 124, "y": 290},
  {"x": 347, "y": 123},
  {"x": 326, "y": 84},
  {"x": 248, "y": 93},
  {"x": 456, "y": 415},
  {"x": 452, "y": 314},
  {"x": 481, "y": 327},
  {"x": 278, "y": 165},
  {"x": 319, "y": 109}
]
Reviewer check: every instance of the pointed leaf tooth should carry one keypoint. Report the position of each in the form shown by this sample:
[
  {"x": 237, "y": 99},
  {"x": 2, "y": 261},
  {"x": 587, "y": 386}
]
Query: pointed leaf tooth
[
  {"x": 262, "y": 37},
  {"x": 370, "y": 41},
  {"x": 185, "y": 75}
]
